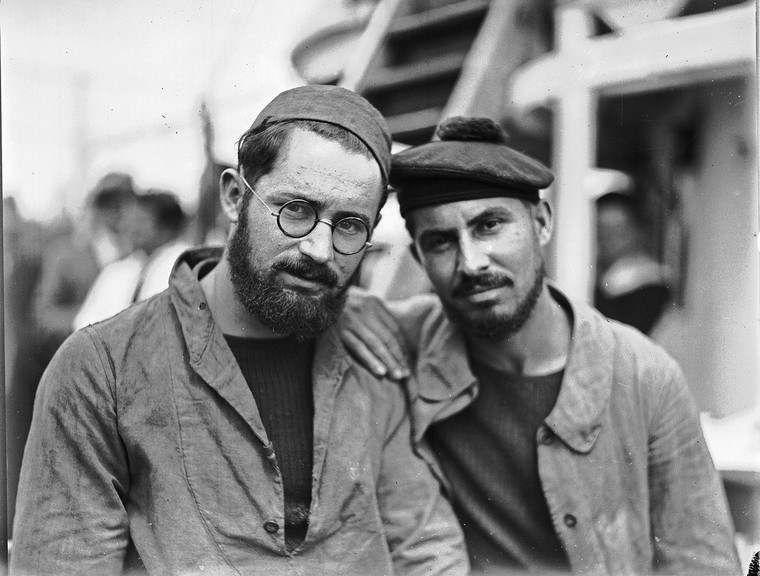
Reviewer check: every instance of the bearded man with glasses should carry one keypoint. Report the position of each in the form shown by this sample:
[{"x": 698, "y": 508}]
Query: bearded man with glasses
[{"x": 220, "y": 427}]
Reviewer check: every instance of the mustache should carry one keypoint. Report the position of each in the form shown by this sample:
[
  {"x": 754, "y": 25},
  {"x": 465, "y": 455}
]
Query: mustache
[
  {"x": 470, "y": 284},
  {"x": 309, "y": 270}
]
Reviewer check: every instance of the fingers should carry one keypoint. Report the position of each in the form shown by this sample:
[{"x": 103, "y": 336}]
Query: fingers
[
  {"x": 389, "y": 346},
  {"x": 376, "y": 348},
  {"x": 372, "y": 335},
  {"x": 363, "y": 354}
]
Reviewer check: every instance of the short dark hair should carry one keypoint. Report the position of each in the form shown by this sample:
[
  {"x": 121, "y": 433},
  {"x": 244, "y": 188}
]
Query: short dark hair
[
  {"x": 112, "y": 191},
  {"x": 165, "y": 207},
  {"x": 259, "y": 148}
]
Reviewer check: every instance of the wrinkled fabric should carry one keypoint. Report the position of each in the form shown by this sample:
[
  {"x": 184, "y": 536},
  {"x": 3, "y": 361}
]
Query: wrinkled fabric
[
  {"x": 628, "y": 479},
  {"x": 147, "y": 442}
]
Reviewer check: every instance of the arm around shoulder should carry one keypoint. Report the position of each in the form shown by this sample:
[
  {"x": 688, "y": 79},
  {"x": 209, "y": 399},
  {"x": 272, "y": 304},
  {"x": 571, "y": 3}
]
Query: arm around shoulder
[
  {"x": 383, "y": 336},
  {"x": 70, "y": 516}
]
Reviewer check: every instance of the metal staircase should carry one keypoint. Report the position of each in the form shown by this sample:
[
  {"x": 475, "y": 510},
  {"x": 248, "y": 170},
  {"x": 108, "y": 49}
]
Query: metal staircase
[{"x": 419, "y": 63}]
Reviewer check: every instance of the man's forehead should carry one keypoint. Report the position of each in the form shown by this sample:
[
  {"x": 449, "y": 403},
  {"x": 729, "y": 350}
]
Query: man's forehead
[
  {"x": 305, "y": 149},
  {"x": 453, "y": 214},
  {"x": 326, "y": 175}
]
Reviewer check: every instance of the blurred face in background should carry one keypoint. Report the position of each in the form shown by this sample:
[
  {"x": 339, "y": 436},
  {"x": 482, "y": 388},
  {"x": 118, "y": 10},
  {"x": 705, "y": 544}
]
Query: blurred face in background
[
  {"x": 109, "y": 225},
  {"x": 616, "y": 233},
  {"x": 145, "y": 231}
]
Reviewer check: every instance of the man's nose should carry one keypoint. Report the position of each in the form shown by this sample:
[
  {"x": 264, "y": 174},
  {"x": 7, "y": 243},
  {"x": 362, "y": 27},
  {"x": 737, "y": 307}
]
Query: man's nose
[
  {"x": 318, "y": 244},
  {"x": 473, "y": 255}
]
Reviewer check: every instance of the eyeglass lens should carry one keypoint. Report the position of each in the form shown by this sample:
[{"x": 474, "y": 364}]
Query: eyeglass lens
[{"x": 298, "y": 218}]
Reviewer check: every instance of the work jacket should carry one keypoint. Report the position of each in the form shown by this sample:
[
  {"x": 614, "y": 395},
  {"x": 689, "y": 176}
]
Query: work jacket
[
  {"x": 147, "y": 441},
  {"x": 629, "y": 482}
]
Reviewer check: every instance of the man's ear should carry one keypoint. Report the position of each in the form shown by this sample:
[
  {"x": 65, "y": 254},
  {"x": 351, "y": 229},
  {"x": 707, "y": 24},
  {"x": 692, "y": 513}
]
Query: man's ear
[
  {"x": 231, "y": 194},
  {"x": 543, "y": 220}
]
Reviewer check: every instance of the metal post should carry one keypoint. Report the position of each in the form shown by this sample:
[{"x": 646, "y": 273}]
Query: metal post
[{"x": 3, "y": 462}]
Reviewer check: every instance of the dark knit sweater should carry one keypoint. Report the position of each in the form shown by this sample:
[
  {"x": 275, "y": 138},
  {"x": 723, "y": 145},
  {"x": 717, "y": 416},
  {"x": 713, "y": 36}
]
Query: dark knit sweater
[
  {"x": 278, "y": 372},
  {"x": 489, "y": 454}
]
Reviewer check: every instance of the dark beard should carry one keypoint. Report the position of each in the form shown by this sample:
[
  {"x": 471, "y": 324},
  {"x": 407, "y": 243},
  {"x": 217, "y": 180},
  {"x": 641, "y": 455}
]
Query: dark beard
[
  {"x": 494, "y": 326},
  {"x": 282, "y": 311}
]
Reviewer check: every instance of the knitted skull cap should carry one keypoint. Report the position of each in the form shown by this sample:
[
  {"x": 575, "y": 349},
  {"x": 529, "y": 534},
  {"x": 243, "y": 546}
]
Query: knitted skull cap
[{"x": 338, "y": 106}]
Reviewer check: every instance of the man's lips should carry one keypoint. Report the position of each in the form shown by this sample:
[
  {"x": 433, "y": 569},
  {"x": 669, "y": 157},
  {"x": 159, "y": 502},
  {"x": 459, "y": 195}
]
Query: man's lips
[
  {"x": 468, "y": 286},
  {"x": 306, "y": 281},
  {"x": 475, "y": 291},
  {"x": 308, "y": 274}
]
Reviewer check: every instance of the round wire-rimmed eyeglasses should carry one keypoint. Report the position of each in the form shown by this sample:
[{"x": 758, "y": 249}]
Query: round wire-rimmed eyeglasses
[{"x": 297, "y": 218}]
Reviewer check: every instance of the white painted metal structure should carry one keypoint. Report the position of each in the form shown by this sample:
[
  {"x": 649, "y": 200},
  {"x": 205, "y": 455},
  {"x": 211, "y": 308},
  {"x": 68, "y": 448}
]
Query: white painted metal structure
[
  {"x": 714, "y": 332},
  {"x": 643, "y": 57}
]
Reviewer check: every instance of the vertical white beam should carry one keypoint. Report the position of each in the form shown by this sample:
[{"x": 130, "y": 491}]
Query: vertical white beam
[
  {"x": 573, "y": 25},
  {"x": 574, "y": 155},
  {"x": 369, "y": 45},
  {"x": 575, "y": 150}
]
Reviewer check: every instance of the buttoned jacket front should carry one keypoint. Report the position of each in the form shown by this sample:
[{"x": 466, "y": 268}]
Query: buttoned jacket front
[
  {"x": 147, "y": 440},
  {"x": 628, "y": 480}
]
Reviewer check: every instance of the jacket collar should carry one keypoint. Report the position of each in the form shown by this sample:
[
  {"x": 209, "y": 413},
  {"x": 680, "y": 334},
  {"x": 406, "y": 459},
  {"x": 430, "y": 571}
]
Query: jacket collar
[
  {"x": 445, "y": 383},
  {"x": 209, "y": 354},
  {"x": 213, "y": 361}
]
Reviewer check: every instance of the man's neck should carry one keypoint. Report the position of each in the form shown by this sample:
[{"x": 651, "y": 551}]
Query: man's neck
[
  {"x": 540, "y": 347},
  {"x": 229, "y": 313}
]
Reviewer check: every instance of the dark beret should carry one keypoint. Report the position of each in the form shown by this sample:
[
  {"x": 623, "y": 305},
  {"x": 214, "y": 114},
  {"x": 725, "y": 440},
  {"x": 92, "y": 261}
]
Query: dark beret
[
  {"x": 471, "y": 160},
  {"x": 338, "y": 106}
]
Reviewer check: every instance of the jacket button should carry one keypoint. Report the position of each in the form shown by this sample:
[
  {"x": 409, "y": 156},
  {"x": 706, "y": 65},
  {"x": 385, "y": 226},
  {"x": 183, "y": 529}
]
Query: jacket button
[
  {"x": 570, "y": 520},
  {"x": 271, "y": 527}
]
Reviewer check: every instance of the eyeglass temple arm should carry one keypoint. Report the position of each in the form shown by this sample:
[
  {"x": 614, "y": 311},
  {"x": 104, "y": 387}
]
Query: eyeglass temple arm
[{"x": 259, "y": 198}]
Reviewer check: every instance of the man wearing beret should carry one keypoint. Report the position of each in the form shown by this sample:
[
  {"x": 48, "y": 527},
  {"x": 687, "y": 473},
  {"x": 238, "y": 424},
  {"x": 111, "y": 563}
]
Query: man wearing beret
[
  {"x": 566, "y": 442},
  {"x": 220, "y": 427}
]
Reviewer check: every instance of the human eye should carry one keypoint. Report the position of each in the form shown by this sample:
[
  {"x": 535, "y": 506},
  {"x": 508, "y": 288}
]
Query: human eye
[
  {"x": 297, "y": 210},
  {"x": 350, "y": 226},
  {"x": 489, "y": 226},
  {"x": 436, "y": 243}
]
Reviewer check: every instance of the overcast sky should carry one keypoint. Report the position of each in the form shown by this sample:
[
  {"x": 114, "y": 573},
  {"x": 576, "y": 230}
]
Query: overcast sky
[{"x": 90, "y": 86}]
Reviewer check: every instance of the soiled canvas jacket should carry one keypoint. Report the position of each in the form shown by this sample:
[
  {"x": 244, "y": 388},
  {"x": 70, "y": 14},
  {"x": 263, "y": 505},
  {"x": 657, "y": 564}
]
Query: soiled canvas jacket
[
  {"x": 146, "y": 440},
  {"x": 627, "y": 476}
]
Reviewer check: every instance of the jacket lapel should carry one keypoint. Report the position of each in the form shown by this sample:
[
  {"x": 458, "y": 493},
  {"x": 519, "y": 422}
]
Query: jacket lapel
[
  {"x": 444, "y": 383},
  {"x": 210, "y": 356},
  {"x": 578, "y": 413}
]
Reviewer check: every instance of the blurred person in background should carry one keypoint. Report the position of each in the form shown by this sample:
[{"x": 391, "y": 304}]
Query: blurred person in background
[
  {"x": 631, "y": 286},
  {"x": 22, "y": 258},
  {"x": 220, "y": 427},
  {"x": 69, "y": 268},
  {"x": 567, "y": 442},
  {"x": 156, "y": 227}
]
